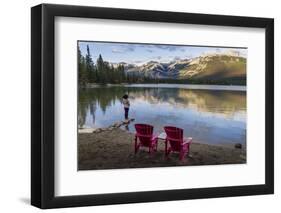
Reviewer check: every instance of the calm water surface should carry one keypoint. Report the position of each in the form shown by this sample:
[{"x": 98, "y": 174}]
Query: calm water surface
[{"x": 209, "y": 116}]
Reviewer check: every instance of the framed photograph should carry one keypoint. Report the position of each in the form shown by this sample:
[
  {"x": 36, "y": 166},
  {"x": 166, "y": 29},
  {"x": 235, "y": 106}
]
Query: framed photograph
[{"x": 139, "y": 106}]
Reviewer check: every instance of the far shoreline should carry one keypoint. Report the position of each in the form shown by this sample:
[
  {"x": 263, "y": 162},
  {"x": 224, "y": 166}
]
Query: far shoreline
[{"x": 242, "y": 88}]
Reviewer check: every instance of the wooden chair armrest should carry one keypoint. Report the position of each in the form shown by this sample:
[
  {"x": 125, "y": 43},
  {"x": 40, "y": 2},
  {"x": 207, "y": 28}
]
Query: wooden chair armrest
[
  {"x": 187, "y": 140},
  {"x": 155, "y": 136}
]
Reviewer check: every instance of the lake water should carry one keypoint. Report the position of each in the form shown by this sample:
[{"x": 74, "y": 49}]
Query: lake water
[{"x": 208, "y": 114}]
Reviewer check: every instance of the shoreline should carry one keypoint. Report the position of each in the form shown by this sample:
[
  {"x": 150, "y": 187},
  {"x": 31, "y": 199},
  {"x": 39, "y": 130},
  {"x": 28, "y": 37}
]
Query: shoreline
[
  {"x": 111, "y": 127},
  {"x": 180, "y": 86},
  {"x": 114, "y": 149}
]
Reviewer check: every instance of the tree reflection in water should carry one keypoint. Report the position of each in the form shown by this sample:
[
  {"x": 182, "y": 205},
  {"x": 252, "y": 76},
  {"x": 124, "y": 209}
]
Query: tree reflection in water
[{"x": 187, "y": 108}]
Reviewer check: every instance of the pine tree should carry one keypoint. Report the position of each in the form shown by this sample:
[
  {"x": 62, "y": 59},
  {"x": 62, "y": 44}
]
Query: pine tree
[
  {"x": 90, "y": 66},
  {"x": 79, "y": 64},
  {"x": 82, "y": 73},
  {"x": 100, "y": 69}
]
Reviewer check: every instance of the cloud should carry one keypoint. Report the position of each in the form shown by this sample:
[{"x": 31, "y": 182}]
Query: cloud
[
  {"x": 189, "y": 56},
  {"x": 123, "y": 48},
  {"x": 177, "y": 58},
  {"x": 144, "y": 45},
  {"x": 170, "y": 48},
  {"x": 138, "y": 61},
  {"x": 149, "y": 50},
  {"x": 166, "y": 47},
  {"x": 130, "y": 48},
  {"x": 114, "y": 50}
]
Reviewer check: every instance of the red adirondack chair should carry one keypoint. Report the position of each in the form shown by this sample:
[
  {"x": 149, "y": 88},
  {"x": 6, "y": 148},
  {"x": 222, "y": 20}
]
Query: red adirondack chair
[
  {"x": 144, "y": 133},
  {"x": 175, "y": 142}
]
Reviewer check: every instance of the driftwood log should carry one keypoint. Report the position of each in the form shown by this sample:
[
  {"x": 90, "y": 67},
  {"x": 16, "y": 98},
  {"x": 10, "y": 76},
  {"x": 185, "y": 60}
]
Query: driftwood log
[{"x": 114, "y": 126}]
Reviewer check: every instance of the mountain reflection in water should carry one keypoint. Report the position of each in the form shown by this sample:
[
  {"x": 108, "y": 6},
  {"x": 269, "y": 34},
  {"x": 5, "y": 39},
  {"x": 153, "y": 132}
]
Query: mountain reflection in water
[{"x": 209, "y": 116}]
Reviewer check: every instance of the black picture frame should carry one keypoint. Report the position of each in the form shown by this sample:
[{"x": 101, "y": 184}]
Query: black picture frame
[{"x": 43, "y": 102}]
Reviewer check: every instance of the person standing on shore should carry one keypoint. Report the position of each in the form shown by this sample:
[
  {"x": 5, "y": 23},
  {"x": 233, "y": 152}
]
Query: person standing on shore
[{"x": 126, "y": 104}]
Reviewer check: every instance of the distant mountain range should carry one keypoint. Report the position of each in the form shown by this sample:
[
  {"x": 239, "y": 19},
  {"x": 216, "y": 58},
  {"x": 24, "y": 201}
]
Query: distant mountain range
[{"x": 218, "y": 67}]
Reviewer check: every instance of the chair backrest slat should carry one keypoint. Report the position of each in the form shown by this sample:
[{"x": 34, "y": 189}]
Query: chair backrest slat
[
  {"x": 144, "y": 133},
  {"x": 174, "y": 136}
]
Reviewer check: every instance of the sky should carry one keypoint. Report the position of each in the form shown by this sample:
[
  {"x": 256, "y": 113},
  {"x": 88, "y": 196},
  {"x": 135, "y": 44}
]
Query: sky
[{"x": 138, "y": 54}]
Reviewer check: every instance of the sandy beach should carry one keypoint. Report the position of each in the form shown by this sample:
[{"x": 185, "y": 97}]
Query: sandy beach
[{"x": 114, "y": 149}]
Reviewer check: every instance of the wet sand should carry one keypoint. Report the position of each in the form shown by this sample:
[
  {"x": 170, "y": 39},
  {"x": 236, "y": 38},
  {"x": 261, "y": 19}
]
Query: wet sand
[{"x": 114, "y": 149}]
